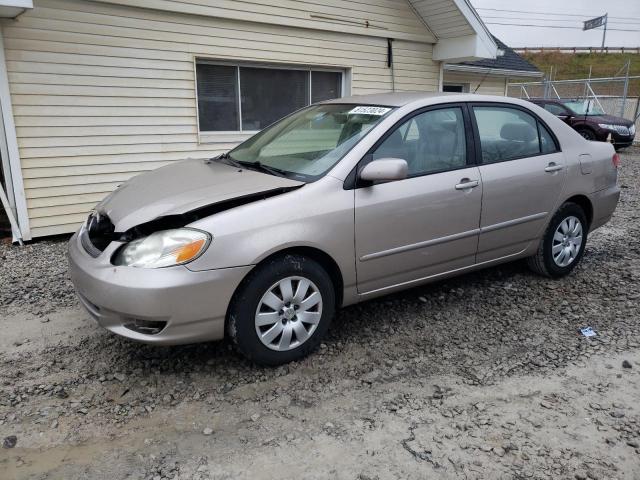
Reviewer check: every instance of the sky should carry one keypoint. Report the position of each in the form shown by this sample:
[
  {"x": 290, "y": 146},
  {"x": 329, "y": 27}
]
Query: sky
[{"x": 623, "y": 15}]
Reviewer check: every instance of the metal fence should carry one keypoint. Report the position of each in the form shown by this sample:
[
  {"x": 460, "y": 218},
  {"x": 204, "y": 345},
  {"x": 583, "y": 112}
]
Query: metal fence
[
  {"x": 619, "y": 96},
  {"x": 577, "y": 49}
]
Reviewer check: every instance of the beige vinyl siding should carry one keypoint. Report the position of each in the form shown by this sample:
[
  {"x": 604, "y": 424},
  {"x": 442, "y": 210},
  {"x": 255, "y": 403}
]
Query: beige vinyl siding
[
  {"x": 102, "y": 92},
  {"x": 382, "y": 18},
  {"x": 488, "y": 84}
]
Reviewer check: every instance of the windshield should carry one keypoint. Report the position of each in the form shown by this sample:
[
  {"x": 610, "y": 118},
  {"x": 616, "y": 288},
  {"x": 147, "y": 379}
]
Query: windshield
[
  {"x": 585, "y": 107},
  {"x": 306, "y": 144}
]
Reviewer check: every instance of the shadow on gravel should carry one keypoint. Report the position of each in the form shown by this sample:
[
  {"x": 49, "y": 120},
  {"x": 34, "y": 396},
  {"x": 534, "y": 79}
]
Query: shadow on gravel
[{"x": 481, "y": 325}]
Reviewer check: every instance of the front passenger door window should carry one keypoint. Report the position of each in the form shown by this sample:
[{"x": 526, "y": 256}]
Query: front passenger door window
[{"x": 430, "y": 142}]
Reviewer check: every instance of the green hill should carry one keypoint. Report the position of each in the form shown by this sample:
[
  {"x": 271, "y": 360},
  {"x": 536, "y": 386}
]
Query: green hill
[{"x": 576, "y": 65}]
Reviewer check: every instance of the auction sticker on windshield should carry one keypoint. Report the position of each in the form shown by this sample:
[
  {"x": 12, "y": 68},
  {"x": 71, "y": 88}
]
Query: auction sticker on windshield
[{"x": 364, "y": 110}]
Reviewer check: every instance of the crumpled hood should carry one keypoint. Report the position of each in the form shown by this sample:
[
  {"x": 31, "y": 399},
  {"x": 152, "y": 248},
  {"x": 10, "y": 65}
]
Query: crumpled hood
[{"x": 182, "y": 187}]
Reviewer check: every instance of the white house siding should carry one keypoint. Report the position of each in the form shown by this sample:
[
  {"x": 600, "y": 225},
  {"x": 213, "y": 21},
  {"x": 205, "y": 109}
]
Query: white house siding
[
  {"x": 102, "y": 92},
  {"x": 488, "y": 84}
]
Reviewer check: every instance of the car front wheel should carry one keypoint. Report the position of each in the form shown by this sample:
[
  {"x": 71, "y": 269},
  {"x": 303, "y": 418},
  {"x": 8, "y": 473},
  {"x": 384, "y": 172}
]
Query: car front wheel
[
  {"x": 587, "y": 133},
  {"x": 563, "y": 244},
  {"x": 282, "y": 310}
]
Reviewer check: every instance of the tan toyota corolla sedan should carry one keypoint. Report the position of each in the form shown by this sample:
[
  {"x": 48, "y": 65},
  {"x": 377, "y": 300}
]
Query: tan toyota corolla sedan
[{"x": 338, "y": 203}]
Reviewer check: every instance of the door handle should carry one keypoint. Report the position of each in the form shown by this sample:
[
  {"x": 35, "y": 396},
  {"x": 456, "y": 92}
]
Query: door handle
[
  {"x": 465, "y": 184},
  {"x": 553, "y": 167}
]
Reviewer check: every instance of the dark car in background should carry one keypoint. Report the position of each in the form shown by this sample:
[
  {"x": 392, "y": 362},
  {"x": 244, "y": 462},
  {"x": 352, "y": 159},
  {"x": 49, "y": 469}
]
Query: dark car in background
[{"x": 589, "y": 120}]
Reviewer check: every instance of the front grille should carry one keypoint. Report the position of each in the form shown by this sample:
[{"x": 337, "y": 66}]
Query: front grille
[
  {"x": 621, "y": 130},
  {"x": 97, "y": 234}
]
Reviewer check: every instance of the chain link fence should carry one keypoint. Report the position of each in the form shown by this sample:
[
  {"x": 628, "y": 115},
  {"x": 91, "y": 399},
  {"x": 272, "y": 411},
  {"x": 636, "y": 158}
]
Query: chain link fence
[{"x": 616, "y": 96}]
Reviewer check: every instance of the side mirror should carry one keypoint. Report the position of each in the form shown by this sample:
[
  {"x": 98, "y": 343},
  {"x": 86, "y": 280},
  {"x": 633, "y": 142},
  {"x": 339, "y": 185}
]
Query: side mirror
[{"x": 385, "y": 170}]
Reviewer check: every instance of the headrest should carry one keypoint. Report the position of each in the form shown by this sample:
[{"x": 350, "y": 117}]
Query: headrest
[{"x": 519, "y": 132}]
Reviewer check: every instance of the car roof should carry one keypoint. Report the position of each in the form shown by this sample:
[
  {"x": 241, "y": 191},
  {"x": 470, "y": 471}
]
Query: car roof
[
  {"x": 391, "y": 99},
  {"x": 400, "y": 99}
]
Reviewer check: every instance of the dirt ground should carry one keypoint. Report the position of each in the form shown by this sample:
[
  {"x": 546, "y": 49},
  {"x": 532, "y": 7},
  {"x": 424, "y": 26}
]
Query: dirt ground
[{"x": 482, "y": 376}]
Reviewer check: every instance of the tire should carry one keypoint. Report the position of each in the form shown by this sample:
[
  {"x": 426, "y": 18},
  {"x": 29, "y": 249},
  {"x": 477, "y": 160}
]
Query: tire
[
  {"x": 543, "y": 262},
  {"x": 255, "y": 313},
  {"x": 587, "y": 133}
]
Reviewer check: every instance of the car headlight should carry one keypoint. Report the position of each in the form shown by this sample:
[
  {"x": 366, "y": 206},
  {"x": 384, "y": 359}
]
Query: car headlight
[
  {"x": 632, "y": 130},
  {"x": 607, "y": 126},
  {"x": 164, "y": 249}
]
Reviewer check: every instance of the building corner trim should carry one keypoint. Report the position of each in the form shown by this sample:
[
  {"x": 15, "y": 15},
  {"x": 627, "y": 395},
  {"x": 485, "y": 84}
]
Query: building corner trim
[{"x": 15, "y": 175}]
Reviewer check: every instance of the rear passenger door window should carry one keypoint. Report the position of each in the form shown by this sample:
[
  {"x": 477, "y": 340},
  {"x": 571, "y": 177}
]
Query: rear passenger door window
[
  {"x": 430, "y": 142},
  {"x": 555, "y": 109},
  {"x": 547, "y": 143},
  {"x": 506, "y": 133}
]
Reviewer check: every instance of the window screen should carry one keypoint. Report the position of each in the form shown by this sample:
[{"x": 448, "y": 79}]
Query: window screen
[
  {"x": 270, "y": 94},
  {"x": 239, "y": 98},
  {"x": 217, "y": 97},
  {"x": 325, "y": 85},
  {"x": 454, "y": 88}
]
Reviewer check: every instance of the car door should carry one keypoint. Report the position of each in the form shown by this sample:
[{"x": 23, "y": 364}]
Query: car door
[
  {"x": 428, "y": 223},
  {"x": 523, "y": 173}
]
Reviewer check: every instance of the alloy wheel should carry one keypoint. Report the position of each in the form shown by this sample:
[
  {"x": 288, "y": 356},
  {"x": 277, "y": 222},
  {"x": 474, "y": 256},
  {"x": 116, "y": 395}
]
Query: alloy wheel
[{"x": 288, "y": 313}]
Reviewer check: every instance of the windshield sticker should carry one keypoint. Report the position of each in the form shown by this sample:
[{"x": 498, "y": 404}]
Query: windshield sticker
[{"x": 363, "y": 110}]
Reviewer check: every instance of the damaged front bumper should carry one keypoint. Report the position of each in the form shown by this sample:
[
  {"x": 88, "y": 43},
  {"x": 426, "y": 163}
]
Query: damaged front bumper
[{"x": 164, "y": 306}]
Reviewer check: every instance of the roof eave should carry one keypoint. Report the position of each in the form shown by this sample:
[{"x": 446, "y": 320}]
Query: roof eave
[
  {"x": 14, "y": 8},
  {"x": 504, "y": 72},
  {"x": 468, "y": 47}
]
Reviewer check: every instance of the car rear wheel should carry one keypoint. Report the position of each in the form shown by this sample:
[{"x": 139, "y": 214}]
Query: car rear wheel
[
  {"x": 563, "y": 243},
  {"x": 587, "y": 133},
  {"x": 282, "y": 310}
]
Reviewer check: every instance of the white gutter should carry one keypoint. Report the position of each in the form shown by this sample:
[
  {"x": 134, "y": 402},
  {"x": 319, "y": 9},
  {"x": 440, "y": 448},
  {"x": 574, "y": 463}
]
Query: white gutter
[
  {"x": 15, "y": 174},
  {"x": 449, "y": 67},
  {"x": 14, "y": 8}
]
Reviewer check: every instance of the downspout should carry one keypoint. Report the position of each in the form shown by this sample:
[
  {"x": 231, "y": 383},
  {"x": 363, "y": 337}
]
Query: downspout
[
  {"x": 13, "y": 153},
  {"x": 390, "y": 63},
  {"x": 489, "y": 70}
]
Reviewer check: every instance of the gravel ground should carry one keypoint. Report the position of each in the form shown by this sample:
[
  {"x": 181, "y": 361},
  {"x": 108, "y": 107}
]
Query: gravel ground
[{"x": 481, "y": 376}]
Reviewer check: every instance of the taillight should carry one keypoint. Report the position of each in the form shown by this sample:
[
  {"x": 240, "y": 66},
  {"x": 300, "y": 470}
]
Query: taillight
[{"x": 616, "y": 160}]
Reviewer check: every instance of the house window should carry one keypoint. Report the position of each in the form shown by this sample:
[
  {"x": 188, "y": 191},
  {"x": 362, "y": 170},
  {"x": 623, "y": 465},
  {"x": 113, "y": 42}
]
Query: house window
[
  {"x": 456, "y": 87},
  {"x": 237, "y": 98}
]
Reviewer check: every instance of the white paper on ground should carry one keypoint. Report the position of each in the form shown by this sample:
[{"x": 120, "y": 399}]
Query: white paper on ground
[{"x": 587, "y": 332}]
